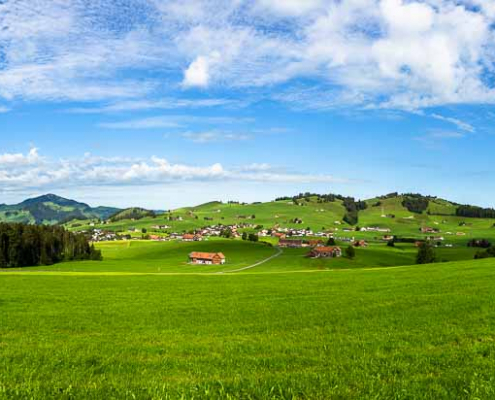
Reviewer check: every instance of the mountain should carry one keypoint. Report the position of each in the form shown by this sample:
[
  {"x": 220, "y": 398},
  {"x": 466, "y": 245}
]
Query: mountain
[{"x": 51, "y": 209}]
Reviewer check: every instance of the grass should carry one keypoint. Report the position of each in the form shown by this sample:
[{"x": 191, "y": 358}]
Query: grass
[
  {"x": 421, "y": 332},
  {"x": 166, "y": 257}
]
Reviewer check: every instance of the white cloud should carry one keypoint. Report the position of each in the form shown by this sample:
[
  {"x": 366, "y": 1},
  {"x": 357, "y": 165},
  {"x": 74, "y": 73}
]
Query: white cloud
[
  {"x": 198, "y": 73},
  {"x": 289, "y": 7},
  {"x": 215, "y": 136},
  {"x": 457, "y": 122},
  {"x": 161, "y": 104},
  {"x": 364, "y": 53},
  {"x": 20, "y": 159},
  {"x": 20, "y": 172},
  {"x": 172, "y": 121},
  {"x": 144, "y": 123}
]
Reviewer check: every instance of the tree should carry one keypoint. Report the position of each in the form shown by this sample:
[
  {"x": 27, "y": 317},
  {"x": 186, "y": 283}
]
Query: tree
[
  {"x": 331, "y": 242},
  {"x": 426, "y": 254},
  {"x": 244, "y": 236},
  {"x": 350, "y": 252},
  {"x": 253, "y": 237}
]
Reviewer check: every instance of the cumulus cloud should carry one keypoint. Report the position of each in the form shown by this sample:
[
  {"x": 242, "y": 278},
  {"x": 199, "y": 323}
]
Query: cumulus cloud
[
  {"x": 198, "y": 73},
  {"x": 20, "y": 172}
]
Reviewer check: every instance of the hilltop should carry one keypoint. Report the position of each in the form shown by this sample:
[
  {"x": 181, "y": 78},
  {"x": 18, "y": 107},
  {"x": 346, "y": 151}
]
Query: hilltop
[{"x": 51, "y": 209}]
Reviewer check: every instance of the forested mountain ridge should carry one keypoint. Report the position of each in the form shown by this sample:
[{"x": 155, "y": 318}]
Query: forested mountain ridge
[{"x": 51, "y": 209}]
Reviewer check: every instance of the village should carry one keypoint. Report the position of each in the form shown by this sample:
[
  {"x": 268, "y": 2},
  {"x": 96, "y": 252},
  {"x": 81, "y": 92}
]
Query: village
[{"x": 319, "y": 244}]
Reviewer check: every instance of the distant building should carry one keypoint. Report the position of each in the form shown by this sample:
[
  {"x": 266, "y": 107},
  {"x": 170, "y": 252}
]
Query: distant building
[
  {"x": 295, "y": 244},
  {"x": 325, "y": 252},
  {"x": 360, "y": 243},
  {"x": 428, "y": 229},
  {"x": 206, "y": 258},
  {"x": 191, "y": 238}
]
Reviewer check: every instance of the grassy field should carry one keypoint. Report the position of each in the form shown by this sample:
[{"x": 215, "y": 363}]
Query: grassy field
[
  {"x": 166, "y": 257},
  {"x": 420, "y": 332}
]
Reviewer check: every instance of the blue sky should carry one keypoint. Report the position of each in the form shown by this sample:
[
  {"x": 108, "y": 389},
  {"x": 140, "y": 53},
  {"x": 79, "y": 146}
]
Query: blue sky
[{"x": 171, "y": 103}]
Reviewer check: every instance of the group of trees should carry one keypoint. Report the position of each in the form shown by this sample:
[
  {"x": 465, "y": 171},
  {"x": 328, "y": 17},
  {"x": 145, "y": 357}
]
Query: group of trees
[
  {"x": 134, "y": 213},
  {"x": 416, "y": 203},
  {"x": 475, "y": 212},
  {"x": 352, "y": 207},
  {"x": 489, "y": 252},
  {"x": 30, "y": 245},
  {"x": 482, "y": 243},
  {"x": 252, "y": 237},
  {"x": 320, "y": 198}
]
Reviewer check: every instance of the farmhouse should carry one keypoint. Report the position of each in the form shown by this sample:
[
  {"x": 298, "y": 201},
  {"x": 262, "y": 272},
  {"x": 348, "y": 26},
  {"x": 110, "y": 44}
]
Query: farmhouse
[
  {"x": 191, "y": 238},
  {"x": 315, "y": 243},
  {"x": 206, "y": 258},
  {"x": 325, "y": 252},
  {"x": 360, "y": 243},
  {"x": 290, "y": 243}
]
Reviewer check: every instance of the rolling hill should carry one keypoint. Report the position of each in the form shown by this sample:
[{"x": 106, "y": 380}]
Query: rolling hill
[{"x": 51, "y": 209}]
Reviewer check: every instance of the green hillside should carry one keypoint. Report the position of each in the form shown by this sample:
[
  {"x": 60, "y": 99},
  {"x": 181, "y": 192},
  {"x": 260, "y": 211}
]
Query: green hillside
[
  {"x": 51, "y": 209},
  {"x": 419, "y": 332},
  {"x": 328, "y": 216},
  {"x": 133, "y": 213}
]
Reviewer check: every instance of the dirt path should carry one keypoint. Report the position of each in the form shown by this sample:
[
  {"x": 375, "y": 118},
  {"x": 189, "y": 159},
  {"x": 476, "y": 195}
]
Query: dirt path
[{"x": 279, "y": 252}]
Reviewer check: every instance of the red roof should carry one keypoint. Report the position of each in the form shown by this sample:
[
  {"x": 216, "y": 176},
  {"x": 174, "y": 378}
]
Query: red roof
[
  {"x": 326, "y": 249},
  {"x": 206, "y": 256}
]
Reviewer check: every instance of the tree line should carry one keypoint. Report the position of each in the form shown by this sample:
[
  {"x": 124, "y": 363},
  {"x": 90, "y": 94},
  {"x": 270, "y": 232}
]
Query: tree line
[
  {"x": 31, "y": 245},
  {"x": 475, "y": 212}
]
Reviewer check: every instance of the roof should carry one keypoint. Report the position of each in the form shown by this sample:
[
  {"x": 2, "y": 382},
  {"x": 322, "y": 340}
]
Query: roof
[
  {"x": 188, "y": 236},
  {"x": 327, "y": 249},
  {"x": 205, "y": 256}
]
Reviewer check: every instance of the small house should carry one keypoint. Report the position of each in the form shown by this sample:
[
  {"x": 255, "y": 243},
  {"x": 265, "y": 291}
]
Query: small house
[
  {"x": 206, "y": 258},
  {"x": 189, "y": 237}
]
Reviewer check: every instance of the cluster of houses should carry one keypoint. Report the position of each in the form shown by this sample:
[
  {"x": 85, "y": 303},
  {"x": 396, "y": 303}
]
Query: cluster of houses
[
  {"x": 282, "y": 233},
  {"x": 374, "y": 229},
  {"x": 99, "y": 235}
]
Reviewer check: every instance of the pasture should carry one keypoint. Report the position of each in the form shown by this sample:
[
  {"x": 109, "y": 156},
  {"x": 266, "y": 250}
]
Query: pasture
[{"x": 417, "y": 332}]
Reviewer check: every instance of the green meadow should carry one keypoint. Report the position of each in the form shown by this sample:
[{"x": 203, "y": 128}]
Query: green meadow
[{"x": 143, "y": 324}]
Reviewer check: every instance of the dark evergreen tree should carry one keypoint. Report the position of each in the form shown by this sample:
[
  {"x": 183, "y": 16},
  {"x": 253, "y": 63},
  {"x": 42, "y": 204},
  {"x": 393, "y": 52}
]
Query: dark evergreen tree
[
  {"x": 350, "y": 252},
  {"x": 426, "y": 254},
  {"x": 30, "y": 245}
]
